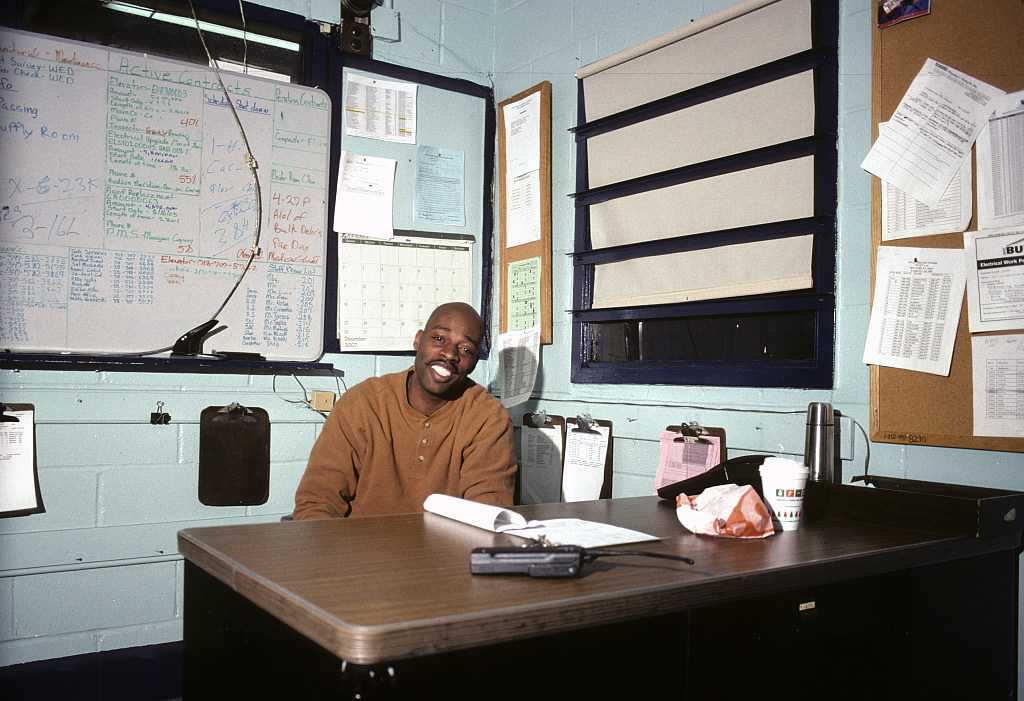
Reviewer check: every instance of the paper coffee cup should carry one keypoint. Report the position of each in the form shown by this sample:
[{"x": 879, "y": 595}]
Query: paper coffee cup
[{"x": 783, "y": 483}]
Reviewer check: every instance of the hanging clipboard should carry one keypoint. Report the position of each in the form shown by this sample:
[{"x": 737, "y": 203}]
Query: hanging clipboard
[
  {"x": 234, "y": 456},
  {"x": 708, "y": 431},
  {"x": 688, "y": 450},
  {"x": 19, "y": 478},
  {"x": 542, "y": 450},
  {"x": 587, "y": 466}
]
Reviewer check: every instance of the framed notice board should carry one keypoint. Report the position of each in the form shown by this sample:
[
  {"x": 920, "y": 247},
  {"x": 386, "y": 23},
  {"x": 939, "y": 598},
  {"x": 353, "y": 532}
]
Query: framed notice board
[
  {"x": 524, "y": 164},
  {"x": 437, "y": 133},
  {"x": 130, "y": 212},
  {"x": 983, "y": 41}
]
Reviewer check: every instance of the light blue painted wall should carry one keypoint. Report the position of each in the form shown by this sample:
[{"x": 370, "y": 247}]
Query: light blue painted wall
[{"x": 100, "y": 570}]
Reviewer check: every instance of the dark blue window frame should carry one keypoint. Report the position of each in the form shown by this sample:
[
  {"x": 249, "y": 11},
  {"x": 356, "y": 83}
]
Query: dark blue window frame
[{"x": 819, "y": 301}]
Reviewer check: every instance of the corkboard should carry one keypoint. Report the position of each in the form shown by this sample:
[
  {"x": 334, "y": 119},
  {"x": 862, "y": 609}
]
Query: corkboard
[
  {"x": 534, "y": 249},
  {"x": 983, "y": 41}
]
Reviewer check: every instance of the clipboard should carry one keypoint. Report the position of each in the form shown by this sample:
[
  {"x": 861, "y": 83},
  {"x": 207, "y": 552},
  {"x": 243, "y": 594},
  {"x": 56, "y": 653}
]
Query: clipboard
[
  {"x": 539, "y": 480},
  {"x": 7, "y": 420},
  {"x": 708, "y": 431},
  {"x": 583, "y": 424},
  {"x": 687, "y": 451},
  {"x": 234, "y": 456}
]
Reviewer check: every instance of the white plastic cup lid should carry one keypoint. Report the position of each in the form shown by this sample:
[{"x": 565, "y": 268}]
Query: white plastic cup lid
[{"x": 780, "y": 466}]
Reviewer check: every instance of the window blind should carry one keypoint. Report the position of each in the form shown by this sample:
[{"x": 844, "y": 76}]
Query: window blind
[{"x": 741, "y": 38}]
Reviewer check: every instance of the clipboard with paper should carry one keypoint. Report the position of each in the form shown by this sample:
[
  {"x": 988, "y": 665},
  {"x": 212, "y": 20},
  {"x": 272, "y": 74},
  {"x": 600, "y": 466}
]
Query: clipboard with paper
[
  {"x": 19, "y": 476},
  {"x": 587, "y": 468},
  {"x": 542, "y": 443},
  {"x": 688, "y": 450}
]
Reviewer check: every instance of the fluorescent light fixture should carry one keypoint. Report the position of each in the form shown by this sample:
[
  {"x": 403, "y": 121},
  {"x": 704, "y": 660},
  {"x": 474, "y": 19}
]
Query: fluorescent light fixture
[
  {"x": 204, "y": 26},
  {"x": 235, "y": 67}
]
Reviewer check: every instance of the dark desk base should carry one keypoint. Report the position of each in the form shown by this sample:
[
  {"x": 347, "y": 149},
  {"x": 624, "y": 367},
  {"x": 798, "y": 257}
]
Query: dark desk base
[{"x": 942, "y": 631}]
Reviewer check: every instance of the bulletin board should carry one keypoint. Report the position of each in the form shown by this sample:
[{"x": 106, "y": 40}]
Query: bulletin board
[
  {"x": 526, "y": 266},
  {"x": 130, "y": 213},
  {"x": 441, "y": 212},
  {"x": 983, "y": 41}
]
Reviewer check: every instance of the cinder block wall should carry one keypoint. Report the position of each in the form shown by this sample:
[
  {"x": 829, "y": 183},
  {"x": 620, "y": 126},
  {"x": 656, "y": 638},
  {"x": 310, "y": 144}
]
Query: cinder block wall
[{"x": 99, "y": 570}]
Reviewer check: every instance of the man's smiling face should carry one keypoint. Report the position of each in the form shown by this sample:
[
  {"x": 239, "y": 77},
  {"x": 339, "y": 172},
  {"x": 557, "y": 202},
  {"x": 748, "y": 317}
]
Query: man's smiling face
[{"x": 446, "y": 352}]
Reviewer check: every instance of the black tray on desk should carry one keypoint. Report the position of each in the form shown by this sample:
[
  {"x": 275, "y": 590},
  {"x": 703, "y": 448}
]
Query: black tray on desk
[
  {"x": 742, "y": 471},
  {"x": 980, "y": 512}
]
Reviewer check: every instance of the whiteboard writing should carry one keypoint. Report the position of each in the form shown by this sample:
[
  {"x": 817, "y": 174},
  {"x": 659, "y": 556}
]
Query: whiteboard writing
[{"x": 129, "y": 210}]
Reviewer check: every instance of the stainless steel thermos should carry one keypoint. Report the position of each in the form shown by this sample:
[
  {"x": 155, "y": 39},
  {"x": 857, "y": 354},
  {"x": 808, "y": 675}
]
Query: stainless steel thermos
[{"x": 818, "y": 444}]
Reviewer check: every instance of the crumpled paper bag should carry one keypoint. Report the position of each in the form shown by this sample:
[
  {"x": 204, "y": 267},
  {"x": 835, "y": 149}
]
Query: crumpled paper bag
[{"x": 728, "y": 510}]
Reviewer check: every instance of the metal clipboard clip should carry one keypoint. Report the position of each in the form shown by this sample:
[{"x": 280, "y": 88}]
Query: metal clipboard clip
[
  {"x": 537, "y": 419},
  {"x": 585, "y": 424},
  {"x": 234, "y": 412},
  {"x": 691, "y": 432}
]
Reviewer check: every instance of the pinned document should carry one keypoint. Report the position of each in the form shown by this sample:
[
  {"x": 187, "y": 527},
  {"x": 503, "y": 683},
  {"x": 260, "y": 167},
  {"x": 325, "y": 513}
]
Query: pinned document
[
  {"x": 440, "y": 192},
  {"x": 380, "y": 109},
  {"x": 366, "y": 190},
  {"x": 522, "y": 170},
  {"x": 995, "y": 279},
  {"x": 916, "y": 308},
  {"x": 998, "y": 376},
  {"x": 518, "y": 359},
  {"x": 19, "y": 489},
  {"x": 1000, "y": 156},
  {"x": 904, "y": 217},
  {"x": 931, "y": 132}
]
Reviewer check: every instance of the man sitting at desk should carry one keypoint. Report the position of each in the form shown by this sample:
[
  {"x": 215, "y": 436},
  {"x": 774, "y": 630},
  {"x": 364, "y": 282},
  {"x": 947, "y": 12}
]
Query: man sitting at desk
[{"x": 391, "y": 441}]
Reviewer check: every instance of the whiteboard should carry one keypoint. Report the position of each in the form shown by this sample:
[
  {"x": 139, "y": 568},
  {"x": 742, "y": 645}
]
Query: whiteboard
[{"x": 129, "y": 212}]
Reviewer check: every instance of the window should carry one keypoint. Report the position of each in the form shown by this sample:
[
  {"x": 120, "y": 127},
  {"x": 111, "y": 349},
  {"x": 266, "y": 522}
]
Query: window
[
  {"x": 705, "y": 210},
  {"x": 167, "y": 28}
]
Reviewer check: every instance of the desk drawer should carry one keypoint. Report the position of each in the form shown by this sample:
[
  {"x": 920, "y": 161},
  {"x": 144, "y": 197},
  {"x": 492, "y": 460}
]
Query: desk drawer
[{"x": 820, "y": 629}]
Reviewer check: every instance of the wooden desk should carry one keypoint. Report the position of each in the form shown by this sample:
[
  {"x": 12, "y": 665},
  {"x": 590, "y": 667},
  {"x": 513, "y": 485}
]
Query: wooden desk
[{"x": 386, "y": 606}]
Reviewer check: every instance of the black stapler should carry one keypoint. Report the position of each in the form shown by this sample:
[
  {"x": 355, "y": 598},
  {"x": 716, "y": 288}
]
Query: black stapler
[{"x": 741, "y": 471}]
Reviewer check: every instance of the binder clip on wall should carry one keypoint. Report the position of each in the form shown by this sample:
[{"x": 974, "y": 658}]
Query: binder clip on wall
[{"x": 159, "y": 417}]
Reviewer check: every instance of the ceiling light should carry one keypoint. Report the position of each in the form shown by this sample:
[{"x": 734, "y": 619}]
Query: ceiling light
[{"x": 204, "y": 26}]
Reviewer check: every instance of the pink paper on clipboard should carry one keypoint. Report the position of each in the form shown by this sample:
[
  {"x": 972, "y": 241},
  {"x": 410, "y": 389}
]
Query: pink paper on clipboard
[{"x": 681, "y": 460}]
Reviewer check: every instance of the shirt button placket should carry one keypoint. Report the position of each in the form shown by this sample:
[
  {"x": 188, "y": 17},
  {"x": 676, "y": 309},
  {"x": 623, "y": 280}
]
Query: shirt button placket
[{"x": 424, "y": 442}]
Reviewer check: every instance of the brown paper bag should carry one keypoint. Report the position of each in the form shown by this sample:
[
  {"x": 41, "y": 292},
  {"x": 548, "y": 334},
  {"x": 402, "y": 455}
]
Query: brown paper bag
[{"x": 728, "y": 510}]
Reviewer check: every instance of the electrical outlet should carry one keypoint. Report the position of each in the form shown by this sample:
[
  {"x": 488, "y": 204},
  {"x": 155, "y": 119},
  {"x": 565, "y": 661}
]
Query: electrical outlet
[{"x": 322, "y": 401}]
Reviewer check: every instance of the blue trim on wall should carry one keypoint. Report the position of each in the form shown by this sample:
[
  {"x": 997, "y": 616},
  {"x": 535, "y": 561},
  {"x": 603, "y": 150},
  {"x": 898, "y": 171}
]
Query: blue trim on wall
[{"x": 149, "y": 673}]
